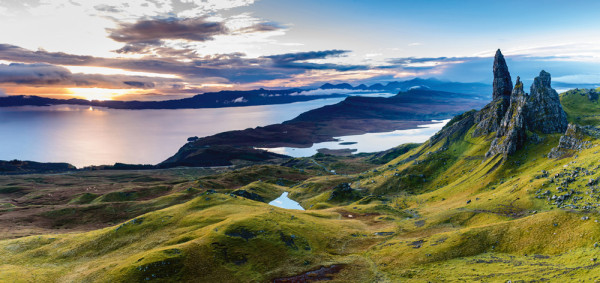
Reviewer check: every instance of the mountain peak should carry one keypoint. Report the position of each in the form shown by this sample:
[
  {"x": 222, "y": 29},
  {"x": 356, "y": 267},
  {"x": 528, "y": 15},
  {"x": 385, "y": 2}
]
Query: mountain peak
[
  {"x": 502, "y": 81},
  {"x": 513, "y": 114},
  {"x": 544, "y": 80},
  {"x": 540, "y": 111},
  {"x": 488, "y": 119},
  {"x": 544, "y": 99}
]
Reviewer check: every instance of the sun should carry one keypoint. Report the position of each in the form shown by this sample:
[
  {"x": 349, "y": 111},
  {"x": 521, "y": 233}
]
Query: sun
[{"x": 99, "y": 93}]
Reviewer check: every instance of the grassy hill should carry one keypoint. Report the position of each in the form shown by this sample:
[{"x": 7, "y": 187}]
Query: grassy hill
[{"x": 440, "y": 211}]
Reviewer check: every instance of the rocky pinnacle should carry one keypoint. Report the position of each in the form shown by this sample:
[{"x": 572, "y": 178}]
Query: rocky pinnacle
[
  {"x": 513, "y": 116},
  {"x": 502, "y": 82},
  {"x": 512, "y": 133},
  {"x": 545, "y": 114},
  {"x": 540, "y": 111},
  {"x": 489, "y": 118}
]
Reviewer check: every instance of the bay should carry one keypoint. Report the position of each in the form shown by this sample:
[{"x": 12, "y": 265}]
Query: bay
[{"x": 85, "y": 136}]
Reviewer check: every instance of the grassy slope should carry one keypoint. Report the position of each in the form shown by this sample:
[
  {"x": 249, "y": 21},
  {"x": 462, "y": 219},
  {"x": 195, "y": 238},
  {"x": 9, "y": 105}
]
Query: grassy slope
[
  {"x": 579, "y": 108},
  {"x": 446, "y": 214},
  {"x": 216, "y": 237}
]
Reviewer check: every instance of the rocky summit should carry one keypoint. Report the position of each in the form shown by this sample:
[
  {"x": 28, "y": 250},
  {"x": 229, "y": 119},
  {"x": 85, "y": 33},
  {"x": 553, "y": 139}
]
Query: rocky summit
[
  {"x": 502, "y": 82},
  {"x": 540, "y": 111},
  {"x": 488, "y": 120},
  {"x": 511, "y": 117},
  {"x": 545, "y": 112}
]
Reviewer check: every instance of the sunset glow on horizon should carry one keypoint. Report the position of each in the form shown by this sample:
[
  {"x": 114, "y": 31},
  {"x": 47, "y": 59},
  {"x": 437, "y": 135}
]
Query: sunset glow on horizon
[{"x": 100, "y": 94}]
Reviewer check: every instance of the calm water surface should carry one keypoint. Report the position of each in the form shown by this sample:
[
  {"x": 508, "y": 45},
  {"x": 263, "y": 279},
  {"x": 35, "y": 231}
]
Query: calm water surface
[
  {"x": 86, "y": 136},
  {"x": 284, "y": 201},
  {"x": 371, "y": 142}
]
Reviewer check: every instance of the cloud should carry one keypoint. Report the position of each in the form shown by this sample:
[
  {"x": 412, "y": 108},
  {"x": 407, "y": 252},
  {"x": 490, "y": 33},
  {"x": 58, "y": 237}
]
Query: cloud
[
  {"x": 239, "y": 100},
  {"x": 426, "y": 62},
  {"x": 43, "y": 74},
  {"x": 302, "y": 56},
  {"x": 299, "y": 61},
  {"x": 128, "y": 9},
  {"x": 153, "y": 31},
  {"x": 167, "y": 36},
  {"x": 261, "y": 27},
  {"x": 2, "y": 93},
  {"x": 139, "y": 84},
  {"x": 33, "y": 74},
  {"x": 327, "y": 91},
  {"x": 233, "y": 68},
  {"x": 579, "y": 78},
  {"x": 107, "y": 8}
]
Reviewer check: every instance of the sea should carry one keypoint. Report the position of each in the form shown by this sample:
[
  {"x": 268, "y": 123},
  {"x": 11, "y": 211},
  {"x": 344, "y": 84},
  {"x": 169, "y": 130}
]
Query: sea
[{"x": 85, "y": 136}]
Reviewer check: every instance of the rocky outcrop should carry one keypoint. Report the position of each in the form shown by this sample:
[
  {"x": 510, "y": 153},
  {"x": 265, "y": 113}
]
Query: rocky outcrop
[
  {"x": 502, "y": 82},
  {"x": 512, "y": 133},
  {"x": 572, "y": 140},
  {"x": 539, "y": 111},
  {"x": 511, "y": 115},
  {"x": 489, "y": 118},
  {"x": 545, "y": 113}
]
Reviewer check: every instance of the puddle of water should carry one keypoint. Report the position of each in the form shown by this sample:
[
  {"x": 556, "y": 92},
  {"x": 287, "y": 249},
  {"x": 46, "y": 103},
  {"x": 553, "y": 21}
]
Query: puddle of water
[{"x": 284, "y": 202}]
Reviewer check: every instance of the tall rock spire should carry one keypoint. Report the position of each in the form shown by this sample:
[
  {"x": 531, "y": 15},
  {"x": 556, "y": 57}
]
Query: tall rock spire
[
  {"x": 502, "y": 82},
  {"x": 489, "y": 118},
  {"x": 512, "y": 115}
]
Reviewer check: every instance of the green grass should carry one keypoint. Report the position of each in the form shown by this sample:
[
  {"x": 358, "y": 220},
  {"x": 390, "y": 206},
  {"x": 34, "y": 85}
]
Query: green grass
[
  {"x": 198, "y": 238},
  {"x": 579, "y": 108}
]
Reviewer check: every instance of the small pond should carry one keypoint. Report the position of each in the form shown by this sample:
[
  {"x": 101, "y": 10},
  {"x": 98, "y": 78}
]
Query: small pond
[{"x": 284, "y": 202}]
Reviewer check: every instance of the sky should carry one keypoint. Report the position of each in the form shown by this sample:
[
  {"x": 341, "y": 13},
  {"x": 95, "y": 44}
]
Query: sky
[{"x": 160, "y": 49}]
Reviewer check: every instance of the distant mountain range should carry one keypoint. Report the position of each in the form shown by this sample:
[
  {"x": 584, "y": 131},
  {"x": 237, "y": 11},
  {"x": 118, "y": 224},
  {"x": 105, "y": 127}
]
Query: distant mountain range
[
  {"x": 258, "y": 96},
  {"x": 434, "y": 84}
]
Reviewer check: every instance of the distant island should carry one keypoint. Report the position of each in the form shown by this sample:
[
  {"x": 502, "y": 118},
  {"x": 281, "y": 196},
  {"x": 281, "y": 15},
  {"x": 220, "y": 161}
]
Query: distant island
[{"x": 239, "y": 98}]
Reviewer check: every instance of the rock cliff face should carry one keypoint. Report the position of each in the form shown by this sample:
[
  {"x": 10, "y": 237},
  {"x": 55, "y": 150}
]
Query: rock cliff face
[
  {"x": 538, "y": 112},
  {"x": 489, "y": 118},
  {"x": 502, "y": 82},
  {"x": 512, "y": 133},
  {"x": 572, "y": 140},
  {"x": 512, "y": 113},
  {"x": 545, "y": 114}
]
